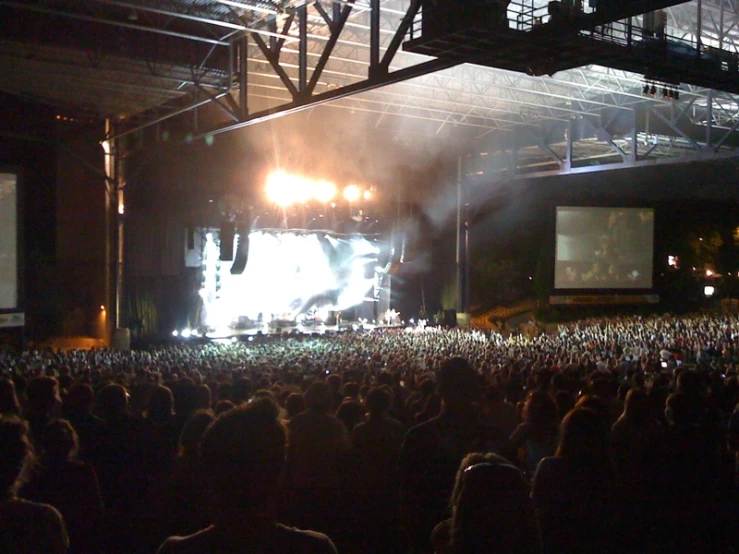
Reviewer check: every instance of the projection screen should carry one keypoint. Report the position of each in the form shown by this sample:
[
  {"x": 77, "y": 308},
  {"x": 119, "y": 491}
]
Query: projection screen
[
  {"x": 604, "y": 248},
  {"x": 289, "y": 273},
  {"x": 8, "y": 242}
]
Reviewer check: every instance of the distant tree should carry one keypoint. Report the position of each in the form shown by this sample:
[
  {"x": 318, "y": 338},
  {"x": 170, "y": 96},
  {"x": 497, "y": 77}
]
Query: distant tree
[{"x": 495, "y": 282}]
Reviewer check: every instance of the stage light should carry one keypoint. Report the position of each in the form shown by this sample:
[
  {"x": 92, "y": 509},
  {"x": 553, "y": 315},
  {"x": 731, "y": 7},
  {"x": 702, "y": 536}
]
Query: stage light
[
  {"x": 185, "y": 334},
  {"x": 278, "y": 188},
  {"x": 324, "y": 191},
  {"x": 367, "y": 195},
  {"x": 709, "y": 291},
  {"x": 175, "y": 333},
  {"x": 352, "y": 193},
  {"x": 709, "y": 273}
]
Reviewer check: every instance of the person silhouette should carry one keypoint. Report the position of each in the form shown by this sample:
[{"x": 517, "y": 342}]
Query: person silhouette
[{"x": 243, "y": 462}]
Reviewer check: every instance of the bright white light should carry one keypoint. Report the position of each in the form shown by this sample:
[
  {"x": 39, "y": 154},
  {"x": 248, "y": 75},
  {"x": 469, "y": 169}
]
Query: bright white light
[
  {"x": 284, "y": 189},
  {"x": 709, "y": 273},
  {"x": 278, "y": 188},
  {"x": 288, "y": 274},
  {"x": 251, "y": 339},
  {"x": 367, "y": 195},
  {"x": 175, "y": 333},
  {"x": 709, "y": 291},
  {"x": 194, "y": 333},
  {"x": 185, "y": 334},
  {"x": 234, "y": 340},
  {"x": 324, "y": 191},
  {"x": 352, "y": 193}
]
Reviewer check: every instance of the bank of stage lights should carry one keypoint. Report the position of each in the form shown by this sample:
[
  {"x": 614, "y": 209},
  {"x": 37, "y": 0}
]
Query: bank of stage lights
[{"x": 285, "y": 189}]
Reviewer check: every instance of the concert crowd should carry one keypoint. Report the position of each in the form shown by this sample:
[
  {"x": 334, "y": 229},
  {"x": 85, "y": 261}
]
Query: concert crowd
[{"x": 607, "y": 435}]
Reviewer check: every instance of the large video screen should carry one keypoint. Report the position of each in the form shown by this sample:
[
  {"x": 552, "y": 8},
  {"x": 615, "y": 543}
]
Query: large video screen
[
  {"x": 288, "y": 274},
  {"x": 604, "y": 248},
  {"x": 8, "y": 242}
]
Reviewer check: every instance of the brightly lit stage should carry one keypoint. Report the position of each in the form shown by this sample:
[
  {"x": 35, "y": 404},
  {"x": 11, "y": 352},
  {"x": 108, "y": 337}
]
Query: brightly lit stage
[{"x": 293, "y": 280}]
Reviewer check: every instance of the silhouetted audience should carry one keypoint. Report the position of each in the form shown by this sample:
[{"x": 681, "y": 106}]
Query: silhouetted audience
[
  {"x": 575, "y": 492},
  {"x": 317, "y": 451},
  {"x": 243, "y": 460},
  {"x": 625, "y": 424},
  {"x": 70, "y": 486},
  {"x": 25, "y": 527},
  {"x": 375, "y": 447},
  {"x": 432, "y": 451},
  {"x": 492, "y": 509}
]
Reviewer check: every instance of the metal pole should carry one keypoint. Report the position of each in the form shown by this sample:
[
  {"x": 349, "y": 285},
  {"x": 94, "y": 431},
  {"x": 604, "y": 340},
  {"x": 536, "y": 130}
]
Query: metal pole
[
  {"x": 460, "y": 241},
  {"x": 374, "y": 35},
  {"x": 699, "y": 27},
  {"x": 244, "y": 76},
  {"x": 303, "y": 52}
]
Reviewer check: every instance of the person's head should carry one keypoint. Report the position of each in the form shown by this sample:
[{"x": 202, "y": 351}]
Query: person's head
[
  {"x": 682, "y": 410},
  {"x": 458, "y": 385},
  {"x": 243, "y": 457},
  {"x": 492, "y": 508},
  {"x": 15, "y": 454},
  {"x": 59, "y": 440},
  {"x": 43, "y": 395},
  {"x": 9, "y": 404},
  {"x": 192, "y": 433},
  {"x": 351, "y": 390},
  {"x": 223, "y": 406},
  {"x": 334, "y": 382},
  {"x": 350, "y": 413},
  {"x": 583, "y": 437},
  {"x": 565, "y": 402},
  {"x": 294, "y": 404},
  {"x": 203, "y": 395},
  {"x": 160, "y": 405},
  {"x": 637, "y": 406},
  {"x": 111, "y": 402},
  {"x": 318, "y": 397},
  {"x": 689, "y": 383},
  {"x": 540, "y": 409},
  {"x": 241, "y": 390},
  {"x": 185, "y": 397},
  {"x": 78, "y": 400},
  {"x": 378, "y": 402}
]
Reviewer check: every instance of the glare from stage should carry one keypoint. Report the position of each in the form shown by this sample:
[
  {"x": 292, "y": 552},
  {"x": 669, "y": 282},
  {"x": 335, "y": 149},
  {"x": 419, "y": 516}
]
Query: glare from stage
[{"x": 290, "y": 275}]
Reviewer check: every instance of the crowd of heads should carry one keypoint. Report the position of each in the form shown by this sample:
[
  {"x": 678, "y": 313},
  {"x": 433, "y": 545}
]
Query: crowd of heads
[{"x": 612, "y": 434}]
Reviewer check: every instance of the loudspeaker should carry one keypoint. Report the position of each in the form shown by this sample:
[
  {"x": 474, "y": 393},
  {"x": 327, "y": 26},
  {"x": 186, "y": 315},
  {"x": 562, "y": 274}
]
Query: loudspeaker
[
  {"x": 190, "y": 237},
  {"x": 242, "y": 254},
  {"x": 226, "y": 238}
]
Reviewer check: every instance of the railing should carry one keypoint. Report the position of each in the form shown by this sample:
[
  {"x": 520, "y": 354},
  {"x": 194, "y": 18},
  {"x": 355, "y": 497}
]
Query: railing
[{"x": 484, "y": 321}]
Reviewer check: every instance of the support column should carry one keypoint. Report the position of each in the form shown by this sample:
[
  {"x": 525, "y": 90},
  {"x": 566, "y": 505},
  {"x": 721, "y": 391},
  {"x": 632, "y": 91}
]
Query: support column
[
  {"x": 463, "y": 316},
  {"x": 121, "y": 338}
]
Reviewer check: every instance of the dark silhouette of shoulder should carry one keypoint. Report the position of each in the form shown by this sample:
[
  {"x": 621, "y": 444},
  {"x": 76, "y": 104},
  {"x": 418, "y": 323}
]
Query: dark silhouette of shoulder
[{"x": 283, "y": 540}]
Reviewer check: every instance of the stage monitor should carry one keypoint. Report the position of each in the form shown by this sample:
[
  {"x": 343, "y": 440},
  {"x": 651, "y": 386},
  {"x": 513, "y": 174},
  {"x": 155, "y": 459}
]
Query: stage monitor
[
  {"x": 604, "y": 248},
  {"x": 8, "y": 241}
]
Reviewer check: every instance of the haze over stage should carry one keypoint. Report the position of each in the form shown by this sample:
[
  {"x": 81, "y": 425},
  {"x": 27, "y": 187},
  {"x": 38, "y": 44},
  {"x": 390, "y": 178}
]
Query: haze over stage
[
  {"x": 604, "y": 248},
  {"x": 8, "y": 242}
]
